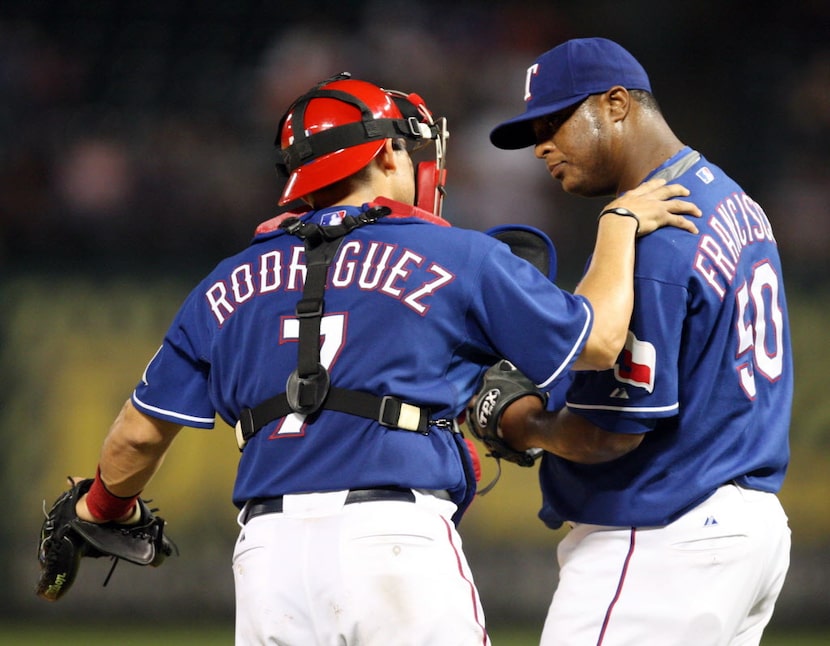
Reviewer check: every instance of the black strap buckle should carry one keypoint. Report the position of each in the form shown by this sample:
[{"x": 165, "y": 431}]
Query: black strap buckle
[
  {"x": 394, "y": 413},
  {"x": 309, "y": 308},
  {"x": 306, "y": 395},
  {"x": 389, "y": 411}
]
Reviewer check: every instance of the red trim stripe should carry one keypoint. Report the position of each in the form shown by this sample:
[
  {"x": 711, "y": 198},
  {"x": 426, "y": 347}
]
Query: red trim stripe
[
  {"x": 631, "y": 543},
  {"x": 473, "y": 596}
]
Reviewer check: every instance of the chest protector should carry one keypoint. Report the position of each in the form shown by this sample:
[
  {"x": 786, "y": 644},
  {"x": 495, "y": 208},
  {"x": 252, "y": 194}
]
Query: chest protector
[{"x": 309, "y": 388}]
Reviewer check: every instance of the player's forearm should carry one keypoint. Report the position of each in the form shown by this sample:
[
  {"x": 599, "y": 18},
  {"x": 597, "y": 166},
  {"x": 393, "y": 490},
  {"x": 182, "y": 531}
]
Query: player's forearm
[
  {"x": 134, "y": 450},
  {"x": 609, "y": 286},
  {"x": 526, "y": 425}
]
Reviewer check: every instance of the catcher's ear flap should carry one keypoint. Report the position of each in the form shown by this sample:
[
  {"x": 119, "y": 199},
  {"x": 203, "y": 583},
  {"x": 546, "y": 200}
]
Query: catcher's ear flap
[{"x": 529, "y": 243}]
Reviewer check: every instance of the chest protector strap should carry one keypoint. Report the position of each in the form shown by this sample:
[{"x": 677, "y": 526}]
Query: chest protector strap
[{"x": 309, "y": 388}]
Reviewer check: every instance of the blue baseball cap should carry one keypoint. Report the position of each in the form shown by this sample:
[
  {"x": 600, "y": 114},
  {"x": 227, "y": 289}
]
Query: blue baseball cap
[{"x": 566, "y": 75}]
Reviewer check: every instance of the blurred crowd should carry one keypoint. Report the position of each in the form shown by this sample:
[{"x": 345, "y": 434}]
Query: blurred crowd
[{"x": 140, "y": 134}]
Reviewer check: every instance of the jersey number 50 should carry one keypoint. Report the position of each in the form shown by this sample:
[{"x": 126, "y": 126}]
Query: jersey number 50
[{"x": 760, "y": 328}]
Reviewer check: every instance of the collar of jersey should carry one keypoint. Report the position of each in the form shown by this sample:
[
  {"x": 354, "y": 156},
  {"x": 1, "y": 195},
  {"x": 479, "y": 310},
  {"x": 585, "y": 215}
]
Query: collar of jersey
[
  {"x": 400, "y": 211},
  {"x": 678, "y": 156}
]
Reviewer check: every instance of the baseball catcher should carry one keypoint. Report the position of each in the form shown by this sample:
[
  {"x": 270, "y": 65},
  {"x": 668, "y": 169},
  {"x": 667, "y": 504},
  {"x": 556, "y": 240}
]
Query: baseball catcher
[{"x": 65, "y": 539}]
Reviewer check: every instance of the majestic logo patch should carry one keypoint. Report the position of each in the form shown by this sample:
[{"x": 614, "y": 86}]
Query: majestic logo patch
[{"x": 637, "y": 363}]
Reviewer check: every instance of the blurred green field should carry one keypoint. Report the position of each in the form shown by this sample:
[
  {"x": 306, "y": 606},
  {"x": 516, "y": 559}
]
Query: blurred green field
[{"x": 223, "y": 636}]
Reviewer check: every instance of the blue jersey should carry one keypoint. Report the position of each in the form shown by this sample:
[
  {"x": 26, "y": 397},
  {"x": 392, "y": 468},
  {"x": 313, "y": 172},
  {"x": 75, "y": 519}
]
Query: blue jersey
[
  {"x": 414, "y": 308},
  {"x": 706, "y": 372}
]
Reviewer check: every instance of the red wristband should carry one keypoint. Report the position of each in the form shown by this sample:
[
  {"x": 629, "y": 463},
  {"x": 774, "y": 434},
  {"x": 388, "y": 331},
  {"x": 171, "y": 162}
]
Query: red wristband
[{"x": 103, "y": 504}]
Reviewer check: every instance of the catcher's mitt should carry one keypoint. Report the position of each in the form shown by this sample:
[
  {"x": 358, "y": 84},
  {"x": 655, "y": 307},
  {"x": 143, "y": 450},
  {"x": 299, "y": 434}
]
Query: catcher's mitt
[
  {"x": 65, "y": 539},
  {"x": 501, "y": 385}
]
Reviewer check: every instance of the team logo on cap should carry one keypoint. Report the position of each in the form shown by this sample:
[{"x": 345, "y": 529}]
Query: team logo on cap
[{"x": 532, "y": 71}]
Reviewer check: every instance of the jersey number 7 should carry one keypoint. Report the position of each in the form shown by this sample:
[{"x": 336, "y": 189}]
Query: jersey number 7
[{"x": 332, "y": 339}]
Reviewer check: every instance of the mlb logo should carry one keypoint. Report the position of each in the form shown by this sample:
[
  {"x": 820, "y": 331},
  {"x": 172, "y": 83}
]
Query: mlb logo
[
  {"x": 705, "y": 175},
  {"x": 332, "y": 219}
]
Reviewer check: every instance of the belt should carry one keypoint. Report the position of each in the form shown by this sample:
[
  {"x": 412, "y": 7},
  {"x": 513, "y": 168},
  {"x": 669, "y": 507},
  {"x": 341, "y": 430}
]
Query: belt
[{"x": 259, "y": 506}]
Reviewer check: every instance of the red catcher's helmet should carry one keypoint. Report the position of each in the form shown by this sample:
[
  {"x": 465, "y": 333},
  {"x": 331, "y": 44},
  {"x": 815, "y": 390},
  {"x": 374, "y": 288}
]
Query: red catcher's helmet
[{"x": 344, "y": 125}]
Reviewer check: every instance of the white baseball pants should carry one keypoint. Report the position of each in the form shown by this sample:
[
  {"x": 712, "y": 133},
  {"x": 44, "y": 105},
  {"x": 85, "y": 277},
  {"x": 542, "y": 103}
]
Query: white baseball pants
[
  {"x": 382, "y": 573},
  {"x": 710, "y": 578}
]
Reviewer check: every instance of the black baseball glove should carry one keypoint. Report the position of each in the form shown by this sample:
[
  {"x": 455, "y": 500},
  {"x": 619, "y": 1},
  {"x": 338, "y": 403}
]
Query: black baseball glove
[
  {"x": 501, "y": 385},
  {"x": 65, "y": 539}
]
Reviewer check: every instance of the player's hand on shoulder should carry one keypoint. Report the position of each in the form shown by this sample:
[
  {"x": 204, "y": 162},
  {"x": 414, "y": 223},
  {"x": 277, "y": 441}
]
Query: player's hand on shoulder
[{"x": 655, "y": 205}]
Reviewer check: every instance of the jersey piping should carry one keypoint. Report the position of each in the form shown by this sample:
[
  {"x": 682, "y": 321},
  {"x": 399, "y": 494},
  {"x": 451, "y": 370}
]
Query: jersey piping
[
  {"x": 170, "y": 413},
  {"x": 630, "y": 409},
  {"x": 577, "y": 346}
]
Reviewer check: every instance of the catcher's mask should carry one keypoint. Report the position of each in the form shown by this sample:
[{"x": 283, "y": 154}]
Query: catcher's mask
[{"x": 344, "y": 125}]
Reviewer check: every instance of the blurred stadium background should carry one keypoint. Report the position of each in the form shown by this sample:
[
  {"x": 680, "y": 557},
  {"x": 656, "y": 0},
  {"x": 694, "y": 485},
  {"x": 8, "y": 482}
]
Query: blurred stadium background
[{"x": 136, "y": 151}]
